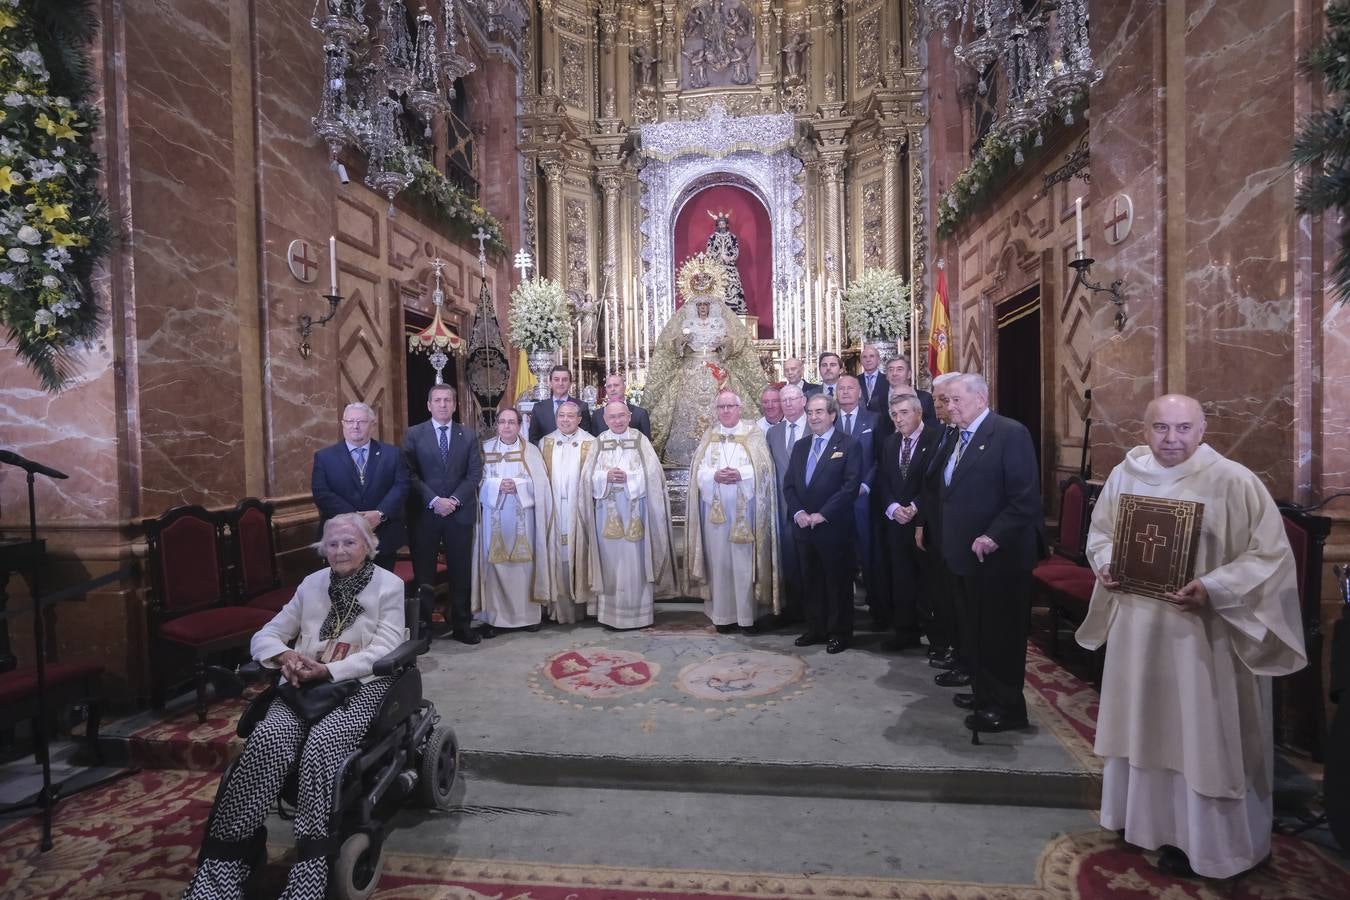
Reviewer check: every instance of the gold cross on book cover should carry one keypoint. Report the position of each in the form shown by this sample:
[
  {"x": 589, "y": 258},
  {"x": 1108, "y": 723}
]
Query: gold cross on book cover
[{"x": 1155, "y": 544}]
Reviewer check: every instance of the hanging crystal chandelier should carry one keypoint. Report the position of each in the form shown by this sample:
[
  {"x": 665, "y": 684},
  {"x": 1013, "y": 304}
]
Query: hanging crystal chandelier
[
  {"x": 371, "y": 79},
  {"x": 1041, "y": 48}
]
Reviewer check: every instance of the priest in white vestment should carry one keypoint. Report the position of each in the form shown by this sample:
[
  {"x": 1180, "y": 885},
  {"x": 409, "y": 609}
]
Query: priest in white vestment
[
  {"x": 565, "y": 451},
  {"x": 511, "y": 560},
  {"x": 731, "y": 542},
  {"x": 629, "y": 563},
  {"x": 1185, "y": 725}
]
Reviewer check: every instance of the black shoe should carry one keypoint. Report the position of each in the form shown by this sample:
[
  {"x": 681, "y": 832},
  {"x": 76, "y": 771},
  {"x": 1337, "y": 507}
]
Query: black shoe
[
  {"x": 992, "y": 720},
  {"x": 1173, "y": 861},
  {"x": 487, "y": 631},
  {"x": 947, "y": 660},
  {"x": 836, "y": 645},
  {"x": 725, "y": 629},
  {"x": 465, "y": 636},
  {"x": 809, "y": 639},
  {"x": 938, "y": 652},
  {"x": 533, "y": 628},
  {"x": 964, "y": 701},
  {"x": 897, "y": 644},
  {"x": 954, "y": 678},
  {"x": 749, "y": 629}
]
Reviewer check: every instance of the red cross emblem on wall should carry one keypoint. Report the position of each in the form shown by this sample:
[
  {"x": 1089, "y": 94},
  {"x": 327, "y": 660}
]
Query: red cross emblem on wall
[
  {"x": 304, "y": 265},
  {"x": 1119, "y": 218}
]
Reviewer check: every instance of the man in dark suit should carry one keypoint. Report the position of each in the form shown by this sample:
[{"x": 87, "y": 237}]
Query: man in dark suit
[
  {"x": 830, "y": 367},
  {"x": 899, "y": 379},
  {"x": 860, "y": 424},
  {"x": 872, "y": 378},
  {"x": 944, "y": 648},
  {"x": 543, "y": 418},
  {"x": 446, "y": 465},
  {"x": 821, "y": 484},
  {"x": 904, "y": 457},
  {"x": 793, "y": 371},
  {"x": 991, "y": 522},
  {"x": 781, "y": 438},
  {"x": 616, "y": 389},
  {"x": 363, "y": 476}
]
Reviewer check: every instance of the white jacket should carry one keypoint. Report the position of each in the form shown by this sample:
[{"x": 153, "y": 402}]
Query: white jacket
[{"x": 375, "y": 633}]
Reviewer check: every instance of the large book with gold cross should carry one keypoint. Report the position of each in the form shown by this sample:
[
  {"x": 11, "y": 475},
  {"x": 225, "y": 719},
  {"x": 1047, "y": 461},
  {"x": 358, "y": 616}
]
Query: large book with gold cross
[{"x": 1156, "y": 540}]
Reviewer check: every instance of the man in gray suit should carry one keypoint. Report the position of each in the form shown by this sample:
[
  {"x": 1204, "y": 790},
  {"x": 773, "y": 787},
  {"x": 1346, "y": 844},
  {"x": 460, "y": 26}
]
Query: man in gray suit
[
  {"x": 446, "y": 465},
  {"x": 781, "y": 439}
]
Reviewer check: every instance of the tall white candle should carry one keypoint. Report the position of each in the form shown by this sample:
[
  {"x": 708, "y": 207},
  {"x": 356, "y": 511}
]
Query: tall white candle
[
  {"x": 1078, "y": 222},
  {"x": 332, "y": 265}
]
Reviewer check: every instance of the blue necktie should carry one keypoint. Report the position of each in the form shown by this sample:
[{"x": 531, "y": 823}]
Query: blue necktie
[
  {"x": 816, "y": 447},
  {"x": 445, "y": 445},
  {"x": 950, "y": 471},
  {"x": 360, "y": 464}
]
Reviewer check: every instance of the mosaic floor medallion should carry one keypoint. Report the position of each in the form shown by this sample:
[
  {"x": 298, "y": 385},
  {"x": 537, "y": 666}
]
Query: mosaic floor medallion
[
  {"x": 601, "y": 673},
  {"x": 740, "y": 675}
]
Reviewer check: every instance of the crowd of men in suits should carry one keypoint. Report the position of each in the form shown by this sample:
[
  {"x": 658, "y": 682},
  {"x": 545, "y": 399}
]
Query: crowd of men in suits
[{"x": 930, "y": 500}]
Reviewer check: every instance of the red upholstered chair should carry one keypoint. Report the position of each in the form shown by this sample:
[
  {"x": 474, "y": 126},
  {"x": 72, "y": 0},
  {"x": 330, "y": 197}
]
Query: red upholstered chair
[
  {"x": 1063, "y": 581},
  {"x": 68, "y": 684},
  {"x": 257, "y": 580},
  {"x": 404, "y": 569},
  {"x": 189, "y": 612},
  {"x": 1306, "y": 726}
]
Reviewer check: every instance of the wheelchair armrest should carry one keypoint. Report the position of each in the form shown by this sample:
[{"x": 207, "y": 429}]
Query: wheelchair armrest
[
  {"x": 401, "y": 656},
  {"x": 253, "y": 671}
]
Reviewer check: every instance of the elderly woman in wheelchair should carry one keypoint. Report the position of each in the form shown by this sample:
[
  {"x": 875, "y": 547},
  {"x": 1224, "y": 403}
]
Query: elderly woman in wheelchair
[{"x": 341, "y": 621}]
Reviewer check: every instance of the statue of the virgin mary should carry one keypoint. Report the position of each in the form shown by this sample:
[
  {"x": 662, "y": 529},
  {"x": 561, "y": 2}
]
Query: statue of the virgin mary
[{"x": 702, "y": 349}]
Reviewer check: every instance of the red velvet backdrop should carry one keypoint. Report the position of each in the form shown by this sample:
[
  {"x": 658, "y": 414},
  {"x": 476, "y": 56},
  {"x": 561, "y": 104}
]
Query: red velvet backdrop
[{"x": 750, "y": 222}]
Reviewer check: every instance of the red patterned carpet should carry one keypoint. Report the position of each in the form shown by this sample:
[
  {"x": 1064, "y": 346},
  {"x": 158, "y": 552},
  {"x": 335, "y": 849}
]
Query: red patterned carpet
[{"x": 138, "y": 837}]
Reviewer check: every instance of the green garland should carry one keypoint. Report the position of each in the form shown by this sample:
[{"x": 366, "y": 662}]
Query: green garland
[
  {"x": 1323, "y": 143},
  {"x": 451, "y": 205},
  {"x": 991, "y": 166},
  {"x": 53, "y": 221}
]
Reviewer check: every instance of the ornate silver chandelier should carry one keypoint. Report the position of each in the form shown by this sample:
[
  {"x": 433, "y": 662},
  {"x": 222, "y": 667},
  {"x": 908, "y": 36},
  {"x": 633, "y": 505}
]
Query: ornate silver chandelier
[
  {"x": 372, "y": 78},
  {"x": 1041, "y": 48}
]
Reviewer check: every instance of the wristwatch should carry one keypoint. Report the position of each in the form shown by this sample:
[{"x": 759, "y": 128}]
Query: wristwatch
[{"x": 383, "y": 518}]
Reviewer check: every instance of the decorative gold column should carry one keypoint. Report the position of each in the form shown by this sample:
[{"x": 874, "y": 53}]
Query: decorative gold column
[
  {"x": 832, "y": 174},
  {"x": 610, "y": 184},
  {"x": 557, "y": 224},
  {"x": 893, "y": 223},
  {"x": 917, "y": 250}
]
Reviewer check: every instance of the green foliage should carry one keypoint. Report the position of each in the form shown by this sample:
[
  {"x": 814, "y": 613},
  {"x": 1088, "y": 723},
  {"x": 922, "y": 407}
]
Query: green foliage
[
  {"x": 54, "y": 225},
  {"x": 451, "y": 206},
  {"x": 1322, "y": 145}
]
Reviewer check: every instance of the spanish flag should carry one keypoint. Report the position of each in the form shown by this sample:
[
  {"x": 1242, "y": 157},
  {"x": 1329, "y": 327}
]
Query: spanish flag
[
  {"x": 524, "y": 378},
  {"x": 939, "y": 338}
]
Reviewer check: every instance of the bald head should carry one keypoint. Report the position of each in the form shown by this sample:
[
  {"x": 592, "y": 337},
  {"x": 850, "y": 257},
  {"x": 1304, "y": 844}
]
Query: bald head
[{"x": 1174, "y": 426}]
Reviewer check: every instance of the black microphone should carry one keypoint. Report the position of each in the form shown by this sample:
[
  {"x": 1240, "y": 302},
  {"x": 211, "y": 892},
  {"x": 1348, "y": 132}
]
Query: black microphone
[{"x": 9, "y": 457}]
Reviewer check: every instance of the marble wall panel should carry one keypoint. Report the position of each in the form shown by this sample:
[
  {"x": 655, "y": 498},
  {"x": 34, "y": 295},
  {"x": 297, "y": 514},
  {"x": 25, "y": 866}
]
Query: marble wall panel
[
  {"x": 1239, "y": 230},
  {"x": 181, "y": 145},
  {"x": 1129, "y": 155}
]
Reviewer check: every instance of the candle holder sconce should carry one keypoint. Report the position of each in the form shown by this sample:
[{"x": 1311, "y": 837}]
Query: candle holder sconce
[
  {"x": 307, "y": 323},
  {"x": 1083, "y": 267}
]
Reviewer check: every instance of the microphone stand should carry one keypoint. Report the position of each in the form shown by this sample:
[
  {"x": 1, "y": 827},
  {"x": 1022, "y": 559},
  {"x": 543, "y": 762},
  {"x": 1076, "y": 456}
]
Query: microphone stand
[{"x": 46, "y": 797}]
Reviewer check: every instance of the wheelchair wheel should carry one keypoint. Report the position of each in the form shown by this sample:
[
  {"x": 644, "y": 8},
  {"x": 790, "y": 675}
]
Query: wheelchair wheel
[
  {"x": 440, "y": 766},
  {"x": 356, "y": 871}
]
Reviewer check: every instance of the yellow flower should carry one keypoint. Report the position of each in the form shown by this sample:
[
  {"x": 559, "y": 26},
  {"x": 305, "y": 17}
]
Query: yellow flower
[
  {"x": 61, "y": 239},
  {"x": 8, "y": 179},
  {"x": 54, "y": 212},
  {"x": 7, "y": 21},
  {"x": 55, "y": 129}
]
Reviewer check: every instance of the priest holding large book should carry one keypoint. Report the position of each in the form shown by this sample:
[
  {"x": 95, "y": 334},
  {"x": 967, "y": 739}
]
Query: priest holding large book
[{"x": 1197, "y": 603}]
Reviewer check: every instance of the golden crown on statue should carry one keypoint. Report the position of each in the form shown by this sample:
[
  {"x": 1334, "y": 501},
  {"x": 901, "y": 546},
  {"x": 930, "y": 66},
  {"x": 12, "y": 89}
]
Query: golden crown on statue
[{"x": 702, "y": 275}]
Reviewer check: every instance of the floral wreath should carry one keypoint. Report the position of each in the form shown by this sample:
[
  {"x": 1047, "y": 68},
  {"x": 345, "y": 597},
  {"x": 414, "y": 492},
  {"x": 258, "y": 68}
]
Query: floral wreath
[
  {"x": 54, "y": 225},
  {"x": 702, "y": 275}
]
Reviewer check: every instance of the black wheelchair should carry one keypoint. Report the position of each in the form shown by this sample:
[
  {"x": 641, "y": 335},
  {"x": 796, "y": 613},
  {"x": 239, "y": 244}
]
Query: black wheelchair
[{"x": 408, "y": 752}]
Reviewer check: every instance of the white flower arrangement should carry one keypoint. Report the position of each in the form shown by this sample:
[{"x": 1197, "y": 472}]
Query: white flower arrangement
[
  {"x": 539, "y": 318},
  {"x": 877, "y": 305}
]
